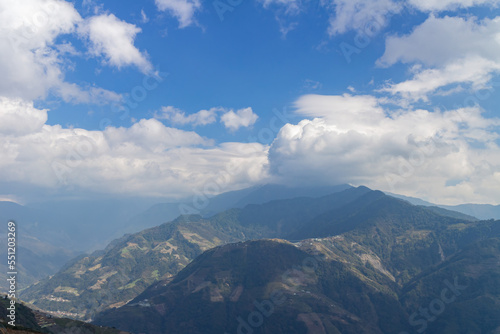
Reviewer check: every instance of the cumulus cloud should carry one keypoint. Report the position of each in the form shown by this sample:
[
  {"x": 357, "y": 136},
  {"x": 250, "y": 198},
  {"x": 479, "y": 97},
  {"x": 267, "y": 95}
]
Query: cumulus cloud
[
  {"x": 231, "y": 120},
  {"x": 113, "y": 39},
  {"x": 19, "y": 117},
  {"x": 449, "y": 156},
  {"x": 241, "y": 118},
  {"x": 30, "y": 64},
  {"x": 147, "y": 158},
  {"x": 177, "y": 116},
  {"x": 448, "y": 51},
  {"x": 183, "y": 10}
]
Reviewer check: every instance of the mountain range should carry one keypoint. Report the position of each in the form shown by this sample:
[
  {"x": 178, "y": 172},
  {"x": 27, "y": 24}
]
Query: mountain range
[
  {"x": 392, "y": 251},
  {"x": 374, "y": 265},
  {"x": 111, "y": 277},
  {"x": 51, "y": 233}
]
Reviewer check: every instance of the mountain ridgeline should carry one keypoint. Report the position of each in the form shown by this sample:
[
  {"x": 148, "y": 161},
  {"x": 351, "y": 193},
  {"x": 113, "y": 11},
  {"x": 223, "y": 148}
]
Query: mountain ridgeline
[
  {"x": 355, "y": 261},
  {"x": 112, "y": 277}
]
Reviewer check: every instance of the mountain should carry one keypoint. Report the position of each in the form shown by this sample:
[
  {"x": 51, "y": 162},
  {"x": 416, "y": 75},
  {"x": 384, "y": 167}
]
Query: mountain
[
  {"x": 411, "y": 200},
  {"x": 481, "y": 211},
  {"x": 405, "y": 237},
  {"x": 114, "y": 276},
  {"x": 373, "y": 265},
  {"x": 463, "y": 292},
  {"x": 88, "y": 224},
  {"x": 76, "y": 225},
  {"x": 209, "y": 206},
  {"x": 451, "y": 213},
  {"x": 37, "y": 260},
  {"x": 32, "y": 321},
  {"x": 39, "y": 252},
  {"x": 267, "y": 286}
]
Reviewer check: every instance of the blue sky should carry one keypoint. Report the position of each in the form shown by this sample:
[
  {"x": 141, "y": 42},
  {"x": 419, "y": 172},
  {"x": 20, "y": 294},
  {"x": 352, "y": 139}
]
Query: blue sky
[{"x": 165, "y": 99}]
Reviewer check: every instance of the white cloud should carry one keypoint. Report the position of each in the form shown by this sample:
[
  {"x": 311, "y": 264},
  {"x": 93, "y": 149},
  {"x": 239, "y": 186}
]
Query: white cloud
[
  {"x": 151, "y": 135},
  {"x": 290, "y": 6},
  {"x": 177, "y": 116},
  {"x": 73, "y": 93},
  {"x": 182, "y": 10},
  {"x": 361, "y": 15},
  {"x": 231, "y": 120},
  {"x": 438, "y": 41},
  {"x": 114, "y": 39},
  {"x": 147, "y": 158},
  {"x": 441, "y": 5},
  {"x": 144, "y": 17},
  {"x": 30, "y": 64},
  {"x": 19, "y": 117},
  {"x": 453, "y": 50},
  {"x": 474, "y": 71},
  {"x": 241, "y": 118},
  {"x": 415, "y": 152}
]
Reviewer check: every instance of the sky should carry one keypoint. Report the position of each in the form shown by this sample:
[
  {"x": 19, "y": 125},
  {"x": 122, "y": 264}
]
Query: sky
[{"x": 176, "y": 98}]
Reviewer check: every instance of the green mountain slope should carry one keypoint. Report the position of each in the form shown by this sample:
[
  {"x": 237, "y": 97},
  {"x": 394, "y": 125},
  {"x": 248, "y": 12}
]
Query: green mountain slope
[
  {"x": 407, "y": 238},
  {"x": 267, "y": 286}
]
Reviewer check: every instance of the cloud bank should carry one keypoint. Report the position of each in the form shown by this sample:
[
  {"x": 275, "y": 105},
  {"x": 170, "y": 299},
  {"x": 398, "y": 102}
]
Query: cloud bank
[
  {"x": 147, "y": 158},
  {"x": 445, "y": 156}
]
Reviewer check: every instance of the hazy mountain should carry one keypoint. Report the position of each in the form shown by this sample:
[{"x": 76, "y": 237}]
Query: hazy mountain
[
  {"x": 90, "y": 224},
  {"x": 451, "y": 213},
  {"x": 37, "y": 250},
  {"x": 412, "y": 200},
  {"x": 73, "y": 224},
  {"x": 480, "y": 211},
  {"x": 208, "y": 206}
]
